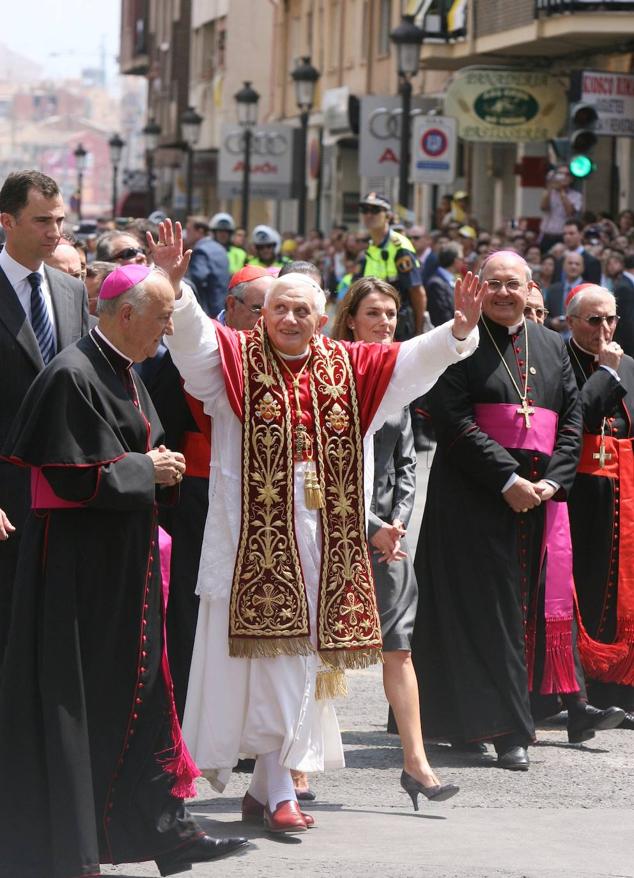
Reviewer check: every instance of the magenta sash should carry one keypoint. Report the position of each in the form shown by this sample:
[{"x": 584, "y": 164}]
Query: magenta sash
[
  {"x": 504, "y": 425},
  {"x": 44, "y": 497}
]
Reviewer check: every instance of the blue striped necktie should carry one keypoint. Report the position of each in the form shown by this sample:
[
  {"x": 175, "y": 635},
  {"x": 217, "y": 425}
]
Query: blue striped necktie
[{"x": 40, "y": 321}]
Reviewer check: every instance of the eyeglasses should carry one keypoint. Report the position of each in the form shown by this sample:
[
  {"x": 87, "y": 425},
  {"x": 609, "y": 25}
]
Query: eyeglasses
[
  {"x": 595, "y": 320},
  {"x": 538, "y": 312},
  {"x": 128, "y": 253},
  {"x": 370, "y": 208},
  {"x": 362, "y": 240},
  {"x": 254, "y": 309},
  {"x": 511, "y": 286}
]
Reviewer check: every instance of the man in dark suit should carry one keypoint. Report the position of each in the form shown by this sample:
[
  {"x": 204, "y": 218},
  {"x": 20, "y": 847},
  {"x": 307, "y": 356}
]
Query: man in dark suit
[
  {"x": 573, "y": 239},
  {"x": 440, "y": 285},
  {"x": 209, "y": 266},
  {"x": 556, "y": 294},
  {"x": 42, "y": 310},
  {"x": 624, "y": 295}
]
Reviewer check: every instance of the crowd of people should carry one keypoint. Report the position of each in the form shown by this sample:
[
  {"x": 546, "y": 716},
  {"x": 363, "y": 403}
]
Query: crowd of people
[{"x": 208, "y": 468}]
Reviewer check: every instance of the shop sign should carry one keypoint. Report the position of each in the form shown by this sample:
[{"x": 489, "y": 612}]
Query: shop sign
[{"x": 500, "y": 105}]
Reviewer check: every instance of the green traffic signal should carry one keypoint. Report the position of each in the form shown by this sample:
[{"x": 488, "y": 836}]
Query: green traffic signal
[{"x": 581, "y": 166}]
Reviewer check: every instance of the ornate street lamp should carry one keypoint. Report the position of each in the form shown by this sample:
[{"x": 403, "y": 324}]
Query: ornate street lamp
[
  {"x": 115, "y": 145},
  {"x": 191, "y": 123},
  {"x": 151, "y": 135},
  {"x": 305, "y": 77},
  {"x": 80, "y": 164},
  {"x": 408, "y": 38},
  {"x": 247, "y": 111}
]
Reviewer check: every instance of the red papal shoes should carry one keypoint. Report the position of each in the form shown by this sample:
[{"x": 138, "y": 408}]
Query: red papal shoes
[{"x": 287, "y": 817}]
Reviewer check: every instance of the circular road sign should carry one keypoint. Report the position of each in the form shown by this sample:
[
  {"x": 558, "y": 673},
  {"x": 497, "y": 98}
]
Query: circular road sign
[{"x": 434, "y": 142}]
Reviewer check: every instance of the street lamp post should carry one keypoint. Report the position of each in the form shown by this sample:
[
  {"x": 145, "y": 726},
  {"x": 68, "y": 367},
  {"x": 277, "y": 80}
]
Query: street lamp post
[
  {"x": 191, "y": 122},
  {"x": 408, "y": 38},
  {"x": 80, "y": 164},
  {"x": 247, "y": 109},
  {"x": 151, "y": 134},
  {"x": 305, "y": 77},
  {"x": 115, "y": 144}
]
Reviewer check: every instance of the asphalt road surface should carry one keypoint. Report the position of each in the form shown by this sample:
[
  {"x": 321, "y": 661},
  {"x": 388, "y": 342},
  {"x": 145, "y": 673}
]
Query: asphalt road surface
[{"x": 570, "y": 816}]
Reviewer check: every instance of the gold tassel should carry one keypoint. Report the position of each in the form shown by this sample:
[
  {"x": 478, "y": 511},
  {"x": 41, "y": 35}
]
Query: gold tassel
[
  {"x": 331, "y": 684},
  {"x": 312, "y": 490},
  {"x": 261, "y": 647},
  {"x": 351, "y": 659}
]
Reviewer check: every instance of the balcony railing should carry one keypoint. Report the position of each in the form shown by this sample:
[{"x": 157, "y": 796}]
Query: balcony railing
[{"x": 560, "y": 7}]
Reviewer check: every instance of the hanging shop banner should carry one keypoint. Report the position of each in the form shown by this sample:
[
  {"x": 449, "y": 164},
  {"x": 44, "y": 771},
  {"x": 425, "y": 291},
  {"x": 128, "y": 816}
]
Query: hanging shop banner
[{"x": 500, "y": 105}]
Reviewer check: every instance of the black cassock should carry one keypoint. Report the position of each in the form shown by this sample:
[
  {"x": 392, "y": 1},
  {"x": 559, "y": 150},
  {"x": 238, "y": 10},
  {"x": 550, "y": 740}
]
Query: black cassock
[
  {"x": 593, "y": 505},
  {"x": 91, "y": 760},
  {"x": 477, "y": 562},
  {"x": 184, "y": 521}
]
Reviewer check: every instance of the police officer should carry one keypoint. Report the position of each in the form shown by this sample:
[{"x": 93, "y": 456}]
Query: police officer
[
  {"x": 222, "y": 228},
  {"x": 266, "y": 242},
  {"x": 391, "y": 256}
]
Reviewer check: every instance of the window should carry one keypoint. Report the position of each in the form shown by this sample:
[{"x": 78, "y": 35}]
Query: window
[{"x": 385, "y": 25}]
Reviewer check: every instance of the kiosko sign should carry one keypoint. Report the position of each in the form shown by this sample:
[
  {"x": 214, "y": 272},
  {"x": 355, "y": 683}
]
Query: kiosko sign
[{"x": 506, "y": 106}]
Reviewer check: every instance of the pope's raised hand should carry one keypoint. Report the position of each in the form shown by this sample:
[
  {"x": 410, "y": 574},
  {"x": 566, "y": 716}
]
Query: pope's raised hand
[
  {"x": 168, "y": 253},
  {"x": 468, "y": 296}
]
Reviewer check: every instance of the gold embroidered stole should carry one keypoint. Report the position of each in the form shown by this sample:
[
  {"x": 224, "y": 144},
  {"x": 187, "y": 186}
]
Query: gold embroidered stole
[{"x": 269, "y": 607}]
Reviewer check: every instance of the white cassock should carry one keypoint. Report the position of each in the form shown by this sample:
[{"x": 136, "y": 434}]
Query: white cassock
[{"x": 252, "y": 706}]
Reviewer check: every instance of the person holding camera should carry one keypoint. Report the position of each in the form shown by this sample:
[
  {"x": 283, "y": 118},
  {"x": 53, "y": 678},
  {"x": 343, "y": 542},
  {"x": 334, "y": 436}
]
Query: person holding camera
[{"x": 559, "y": 203}]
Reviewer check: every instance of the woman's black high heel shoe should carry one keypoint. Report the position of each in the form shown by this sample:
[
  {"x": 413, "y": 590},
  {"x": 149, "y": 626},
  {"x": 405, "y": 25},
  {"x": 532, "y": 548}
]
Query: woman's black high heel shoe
[{"x": 438, "y": 793}]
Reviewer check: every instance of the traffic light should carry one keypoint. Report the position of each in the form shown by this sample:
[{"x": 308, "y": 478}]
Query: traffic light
[{"x": 582, "y": 138}]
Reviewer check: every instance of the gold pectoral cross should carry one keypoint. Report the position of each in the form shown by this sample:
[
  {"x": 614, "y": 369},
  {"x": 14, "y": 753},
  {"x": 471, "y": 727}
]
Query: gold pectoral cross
[
  {"x": 526, "y": 411},
  {"x": 602, "y": 455}
]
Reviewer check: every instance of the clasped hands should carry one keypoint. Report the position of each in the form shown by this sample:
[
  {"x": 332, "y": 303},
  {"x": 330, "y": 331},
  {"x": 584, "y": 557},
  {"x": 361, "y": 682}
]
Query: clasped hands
[
  {"x": 524, "y": 495},
  {"x": 387, "y": 541},
  {"x": 169, "y": 466}
]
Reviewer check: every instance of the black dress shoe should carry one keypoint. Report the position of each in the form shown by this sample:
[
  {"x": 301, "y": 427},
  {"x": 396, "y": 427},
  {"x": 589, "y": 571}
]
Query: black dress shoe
[
  {"x": 515, "y": 759},
  {"x": 586, "y": 720},
  {"x": 202, "y": 850},
  {"x": 628, "y": 722}
]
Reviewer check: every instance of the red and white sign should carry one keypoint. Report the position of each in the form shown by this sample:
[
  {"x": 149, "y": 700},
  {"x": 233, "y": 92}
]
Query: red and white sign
[
  {"x": 612, "y": 94},
  {"x": 434, "y": 149}
]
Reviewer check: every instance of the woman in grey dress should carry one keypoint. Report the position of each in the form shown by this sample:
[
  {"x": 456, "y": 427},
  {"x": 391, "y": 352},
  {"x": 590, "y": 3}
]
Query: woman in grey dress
[{"x": 369, "y": 312}]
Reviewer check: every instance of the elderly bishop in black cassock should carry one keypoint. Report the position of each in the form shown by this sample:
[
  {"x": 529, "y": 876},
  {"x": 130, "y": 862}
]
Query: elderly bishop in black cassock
[
  {"x": 494, "y": 565},
  {"x": 91, "y": 755}
]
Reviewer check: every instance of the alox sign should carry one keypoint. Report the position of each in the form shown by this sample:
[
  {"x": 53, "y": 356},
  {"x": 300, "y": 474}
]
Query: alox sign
[{"x": 499, "y": 105}]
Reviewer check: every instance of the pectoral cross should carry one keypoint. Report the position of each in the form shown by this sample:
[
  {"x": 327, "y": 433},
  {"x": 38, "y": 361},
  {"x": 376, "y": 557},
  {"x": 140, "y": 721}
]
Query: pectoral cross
[
  {"x": 602, "y": 456},
  {"x": 526, "y": 411}
]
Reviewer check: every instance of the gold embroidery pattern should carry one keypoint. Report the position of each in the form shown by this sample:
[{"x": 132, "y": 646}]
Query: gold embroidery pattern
[
  {"x": 269, "y": 612},
  {"x": 337, "y": 419},
  {"x": 267, "y": 409},
  {"x": 348, "y": 624},
  {"x": 268, "y": 599}
]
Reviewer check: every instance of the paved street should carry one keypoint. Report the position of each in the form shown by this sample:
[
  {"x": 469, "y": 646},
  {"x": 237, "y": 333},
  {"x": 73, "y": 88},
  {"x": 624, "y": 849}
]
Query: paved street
[{"x": 570, "y": 816}]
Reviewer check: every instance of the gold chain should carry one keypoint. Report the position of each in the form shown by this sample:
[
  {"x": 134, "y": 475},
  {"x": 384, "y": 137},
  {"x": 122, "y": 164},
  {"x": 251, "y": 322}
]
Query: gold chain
[
  {"x": 506, "y": 365},
  {"x": 295, "y": 379}
]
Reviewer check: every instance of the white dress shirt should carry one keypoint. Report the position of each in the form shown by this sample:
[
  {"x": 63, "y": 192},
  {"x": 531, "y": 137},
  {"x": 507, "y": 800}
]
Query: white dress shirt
[{"x": 17, "y": 275}]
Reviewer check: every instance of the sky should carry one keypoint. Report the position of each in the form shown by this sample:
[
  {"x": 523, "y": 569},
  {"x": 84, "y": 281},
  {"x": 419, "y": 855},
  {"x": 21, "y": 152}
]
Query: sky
[{"x": 64, "y": 37}]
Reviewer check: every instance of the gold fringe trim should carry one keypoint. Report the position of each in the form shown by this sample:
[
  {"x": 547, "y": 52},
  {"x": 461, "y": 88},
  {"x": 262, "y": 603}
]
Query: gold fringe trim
[
  {"x": 260, "y": 647},
  {"x": 331, "y": 684},
  {"x": 351, "y": 659}
]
